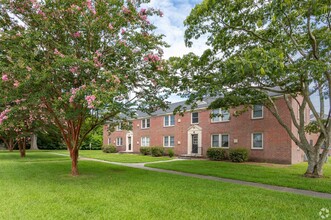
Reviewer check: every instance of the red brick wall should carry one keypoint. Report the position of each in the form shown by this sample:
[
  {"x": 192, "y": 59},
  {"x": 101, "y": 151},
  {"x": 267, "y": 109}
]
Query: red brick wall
[
  {"x": 113, "y": 136},
  {"x": 278, "y": 146}
]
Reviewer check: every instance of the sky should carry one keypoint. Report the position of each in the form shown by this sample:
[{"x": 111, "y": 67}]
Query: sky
[{"x": 171, "y": 25}]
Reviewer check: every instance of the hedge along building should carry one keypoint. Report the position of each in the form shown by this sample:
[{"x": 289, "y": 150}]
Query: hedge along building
[{"x": 193, "y": 133}]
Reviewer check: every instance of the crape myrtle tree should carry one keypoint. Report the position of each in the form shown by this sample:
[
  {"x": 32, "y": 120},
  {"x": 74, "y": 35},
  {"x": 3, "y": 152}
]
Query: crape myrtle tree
[
  {"x": 257, "y": 47},
  {"x": 83, "y": 62}
]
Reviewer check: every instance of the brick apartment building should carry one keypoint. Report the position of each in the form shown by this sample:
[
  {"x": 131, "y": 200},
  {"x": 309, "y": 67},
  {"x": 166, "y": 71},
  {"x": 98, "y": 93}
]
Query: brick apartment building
[{"x": 196, "y": 131}]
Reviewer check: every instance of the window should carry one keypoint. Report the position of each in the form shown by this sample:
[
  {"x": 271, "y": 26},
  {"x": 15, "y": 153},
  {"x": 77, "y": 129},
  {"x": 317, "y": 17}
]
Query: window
[
  {"x": 119, "y": 141},
  {"x": 195, "y": 118},
  {"x": 169, "y": 120},
  {"x": 109, "y": 140},
  {"x": 257, "y": 141},
  {"x": 145, "y": 141},
  {"x": 220, "y": 140},
  {"x": 145, "y": 123},
  {"x": 220, "y": 115},
  {"x": 257, "y": 111},
  {"x": 168, "y": 141},
  {"x": 119, "y": 127}
]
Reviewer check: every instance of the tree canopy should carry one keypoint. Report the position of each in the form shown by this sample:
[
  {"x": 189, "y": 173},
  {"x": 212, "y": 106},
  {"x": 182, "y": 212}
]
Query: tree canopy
[{"x": 257, "y": 47}]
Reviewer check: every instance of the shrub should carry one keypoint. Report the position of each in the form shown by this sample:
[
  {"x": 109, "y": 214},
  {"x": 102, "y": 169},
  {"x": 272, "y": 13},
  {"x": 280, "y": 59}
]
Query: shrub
[
  {"x": 216, "y": 154},
  {"x": 109, "y": 149},
  {"x": 171, "y": 152},
  {"x": 145, "y": 150},
  {"x": 157, "y": 151},
  {"x": 238, "y": 155}
]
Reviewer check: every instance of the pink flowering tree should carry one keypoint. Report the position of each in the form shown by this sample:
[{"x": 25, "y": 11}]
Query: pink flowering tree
[{"x": 82, "y": 62}]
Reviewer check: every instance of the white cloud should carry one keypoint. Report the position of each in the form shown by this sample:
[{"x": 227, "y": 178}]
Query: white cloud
[{"x": 171, "y": 25}]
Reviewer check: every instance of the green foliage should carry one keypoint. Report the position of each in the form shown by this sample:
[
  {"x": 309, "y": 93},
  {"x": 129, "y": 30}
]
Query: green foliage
[
  {"x": 216, "y": 154},
  {"x": 170, "y": 152},
  {"x": 238, "y": 154},
  {"x": 157, "y": 151},
  {"x": 145, "y": 150},
  {"x": 93, "y": 140},
  {"x": 109, "y": 148}
]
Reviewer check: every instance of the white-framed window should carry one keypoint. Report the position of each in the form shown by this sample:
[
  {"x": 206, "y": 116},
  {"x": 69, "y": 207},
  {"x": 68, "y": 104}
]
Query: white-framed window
[
  {"x": 168, "y": 141},
  {"x": 219, "y": 115},
  {"x": 169, "y": 120},
  {"x": 257, "y": 111},
  {"x": 195, "y": 118},
  {"x": 119, "y": 127},
  {"x": 257, "y": 140},
  {"x": 145, "y": 123},
  {"x": 109, "y": 140},
  {"x": 145, "y": 141},
  {"x": 119, "y": 141},
  {"x": 220, "y": 140}
]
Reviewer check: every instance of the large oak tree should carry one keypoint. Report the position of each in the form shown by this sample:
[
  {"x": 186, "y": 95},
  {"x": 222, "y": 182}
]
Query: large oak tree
[{"x": 257, "y": 47}]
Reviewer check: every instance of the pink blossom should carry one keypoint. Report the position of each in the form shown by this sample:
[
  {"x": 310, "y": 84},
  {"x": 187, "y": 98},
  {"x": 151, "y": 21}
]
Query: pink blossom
[
  {"x": 73, "y": 69},
  {"x": 90, "y": 7},
  {"x": 90, "y": 99},
  {"x": 4, "y": 77},
  {"x": 152, "y": 58},
  {"x": 123, "y": 31},
  {"x": 16, "y": 83},
  {"x": 56, "y": 52},
  {"x": 98, "y": 53},
  {"x": 76, "y": 35},
  {"x": 3, "y": 115},
  {"x": 143, "y": 11},
  {"x": 28, "y": 68},
  {"x": 116, "y": 79},
  {"x": 110, "y": 26},
  {"x": 126, "y": 10},
  {"x": 40, "y": 12}
]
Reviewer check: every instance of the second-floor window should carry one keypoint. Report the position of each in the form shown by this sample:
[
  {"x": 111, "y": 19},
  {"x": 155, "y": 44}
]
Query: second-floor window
[
  {"x": 145, "y": 123},
  {"x": 168, "y": 141},
  {"x": 219, "y": 115},
  {"x": 119, "y": 141},
  {"x": 145, "y": 141},
  {"x": 169, "y": 120},
  {"x": 119, "y": 127},
  {"x": 257, "y": 111},
  {"x": 257, "y": 140},
  {"x": 195, "y": 118}
]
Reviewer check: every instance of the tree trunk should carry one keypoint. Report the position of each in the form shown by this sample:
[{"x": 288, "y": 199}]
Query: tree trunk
[
  {"x": 21, "y": 146},
  {"x": 74, "y": 161},
  {"x": 315, "y": 165},
  {"x": 10, "y": 145},
  {"x": 34, "y": 145}
]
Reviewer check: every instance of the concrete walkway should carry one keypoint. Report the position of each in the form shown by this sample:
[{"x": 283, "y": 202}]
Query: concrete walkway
[{"x": 219, "y": 179}]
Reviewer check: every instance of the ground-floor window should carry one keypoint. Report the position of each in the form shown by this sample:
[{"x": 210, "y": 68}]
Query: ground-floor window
[
  {"x": 220, "y": 140},
  {"x": 145, "y": 141},
  {"x": 168, "y": 141},
  {"x": 257, "y": 140},
  {"x": 119, "y": 141}
]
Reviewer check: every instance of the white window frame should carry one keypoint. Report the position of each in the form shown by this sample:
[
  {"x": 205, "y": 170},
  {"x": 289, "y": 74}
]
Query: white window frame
[
  {"x": 119, "y": 127},
  {"x": 192, "y": 118},
  {"x": 252, "y": 141},
  {"x": 219, "y": 141},
  {"x": 145, "y": 120},
  {"x": 143, "y": 141},
  {"x": 169, "y": 120},
  {"x": 219, "y": 117},
  {"x": 257, "y": 117},
  {"x": 119, "y": 141},
  {"x": 169, "y": 142},
  {"x": 109, "y": 140}
]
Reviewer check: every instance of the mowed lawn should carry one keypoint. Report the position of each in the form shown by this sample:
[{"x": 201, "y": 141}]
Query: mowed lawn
[
  {"x": 40, "y": 187},
  {"x": 280, "y": 175},
  {"x": 115, "y": 157}
]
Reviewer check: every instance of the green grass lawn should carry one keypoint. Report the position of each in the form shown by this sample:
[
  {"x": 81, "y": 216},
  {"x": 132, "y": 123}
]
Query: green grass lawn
[
  {"x": 123, "y": 158},
  {"x": 40, "y": 187},
  {"x": 280, "y": 175}
]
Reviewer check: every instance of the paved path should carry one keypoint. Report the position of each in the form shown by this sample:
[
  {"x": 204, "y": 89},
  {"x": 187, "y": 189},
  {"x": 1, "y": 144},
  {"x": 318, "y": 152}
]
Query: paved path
[{"x": 219, "y": 179}]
